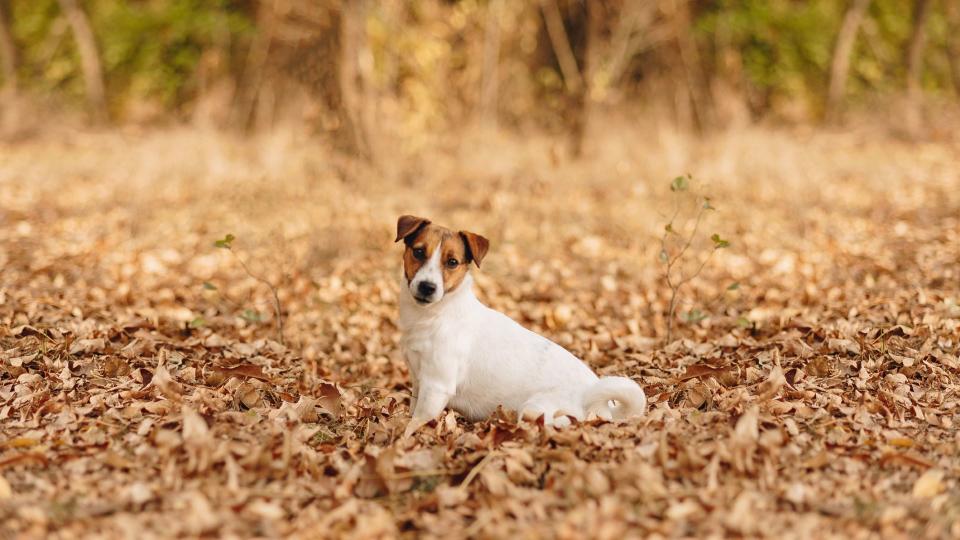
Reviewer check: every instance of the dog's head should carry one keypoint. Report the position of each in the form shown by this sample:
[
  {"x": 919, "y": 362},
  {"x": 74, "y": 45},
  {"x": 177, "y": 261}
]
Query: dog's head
[{"x": 436, "y": 259}]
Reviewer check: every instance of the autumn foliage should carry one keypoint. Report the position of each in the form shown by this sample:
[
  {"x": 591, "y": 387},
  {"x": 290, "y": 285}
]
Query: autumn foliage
[{"x": 144, "y": 391}]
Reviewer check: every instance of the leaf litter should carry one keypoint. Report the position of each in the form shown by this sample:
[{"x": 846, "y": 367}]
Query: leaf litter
[{"x": 818, "y": 397}]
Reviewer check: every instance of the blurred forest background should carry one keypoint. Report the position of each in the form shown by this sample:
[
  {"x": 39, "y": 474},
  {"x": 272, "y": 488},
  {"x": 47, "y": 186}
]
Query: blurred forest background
[{"x": 363, "y": 73}]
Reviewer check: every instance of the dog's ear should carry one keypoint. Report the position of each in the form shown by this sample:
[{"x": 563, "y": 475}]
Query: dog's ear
[
  {"x": 407, "y": 225},
  {"x": 477, "y": 246}
]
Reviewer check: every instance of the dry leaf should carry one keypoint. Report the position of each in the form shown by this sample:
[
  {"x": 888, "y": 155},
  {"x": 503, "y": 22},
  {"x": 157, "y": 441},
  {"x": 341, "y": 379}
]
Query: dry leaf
[
  {"x": 329, "y": 399},
  {"x": 162, "y": 380},
  {"x": 929, "y": 484},
  {"x": 244, "y": 370},
  {"x": 5, "y": 490}
]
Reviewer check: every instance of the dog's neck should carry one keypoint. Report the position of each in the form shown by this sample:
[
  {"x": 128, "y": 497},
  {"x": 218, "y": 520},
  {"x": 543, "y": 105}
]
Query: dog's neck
[{"x": 412, "y": 313}]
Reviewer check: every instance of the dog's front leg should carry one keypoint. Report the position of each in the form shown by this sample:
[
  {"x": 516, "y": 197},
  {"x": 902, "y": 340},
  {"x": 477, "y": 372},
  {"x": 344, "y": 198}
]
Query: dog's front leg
[
  {"x": 430, "y": 402},
  {"x": 415, "y": 393}
]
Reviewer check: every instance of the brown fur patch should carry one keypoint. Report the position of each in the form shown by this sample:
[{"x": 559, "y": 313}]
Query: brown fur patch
[{"x": 452, "y": 249}]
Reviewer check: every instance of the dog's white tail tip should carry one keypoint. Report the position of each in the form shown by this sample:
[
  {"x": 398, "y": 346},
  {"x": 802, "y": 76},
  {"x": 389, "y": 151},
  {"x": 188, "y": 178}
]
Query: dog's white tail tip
[{"x": 629, "y": 399}]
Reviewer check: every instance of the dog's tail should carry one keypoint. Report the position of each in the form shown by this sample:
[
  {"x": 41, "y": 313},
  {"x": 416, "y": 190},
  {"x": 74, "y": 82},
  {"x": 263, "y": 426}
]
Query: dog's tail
[{"x": 627, "y": 397}]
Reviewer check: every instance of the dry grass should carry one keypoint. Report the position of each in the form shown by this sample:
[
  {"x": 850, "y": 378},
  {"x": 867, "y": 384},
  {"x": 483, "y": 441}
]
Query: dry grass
[{"x": 818, "y": 399}]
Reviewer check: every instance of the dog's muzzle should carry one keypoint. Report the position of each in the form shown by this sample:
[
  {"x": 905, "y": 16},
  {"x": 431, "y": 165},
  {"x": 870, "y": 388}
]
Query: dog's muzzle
[{"x": 425, "y": 291}]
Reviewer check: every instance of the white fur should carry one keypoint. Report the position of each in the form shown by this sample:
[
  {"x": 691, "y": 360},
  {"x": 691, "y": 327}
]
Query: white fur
[
  {"x": 430, "y": 272},
  {"x": 471, "y": 358}
]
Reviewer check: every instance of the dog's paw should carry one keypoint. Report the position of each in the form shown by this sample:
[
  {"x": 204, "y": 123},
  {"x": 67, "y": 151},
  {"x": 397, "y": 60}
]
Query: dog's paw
[{"x": 413, "y": 426}]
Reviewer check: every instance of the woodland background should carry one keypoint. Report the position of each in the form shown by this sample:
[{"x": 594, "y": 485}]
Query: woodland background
[
  {"x": 367, "y": 73},
  {"x": 198, "y": 286}
]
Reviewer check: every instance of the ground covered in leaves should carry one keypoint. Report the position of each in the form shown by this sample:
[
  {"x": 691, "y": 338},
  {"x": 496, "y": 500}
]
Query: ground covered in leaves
[{"x": 812, "y": 390}]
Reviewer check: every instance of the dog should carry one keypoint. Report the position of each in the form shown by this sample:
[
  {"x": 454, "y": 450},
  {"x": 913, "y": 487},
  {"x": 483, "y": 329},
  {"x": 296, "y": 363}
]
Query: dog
[{"x": 467, "y": 356}]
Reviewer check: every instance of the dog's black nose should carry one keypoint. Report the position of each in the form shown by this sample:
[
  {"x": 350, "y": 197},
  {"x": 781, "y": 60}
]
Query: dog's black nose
[{"x": 426, "y": 288}]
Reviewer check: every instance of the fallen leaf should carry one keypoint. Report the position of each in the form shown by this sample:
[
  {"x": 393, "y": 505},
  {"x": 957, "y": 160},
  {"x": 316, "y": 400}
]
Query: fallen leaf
[
  {"x": 243, "y": 370},
  {"x": 5, "y": 490},
  {"x": 929, "y": 484}
]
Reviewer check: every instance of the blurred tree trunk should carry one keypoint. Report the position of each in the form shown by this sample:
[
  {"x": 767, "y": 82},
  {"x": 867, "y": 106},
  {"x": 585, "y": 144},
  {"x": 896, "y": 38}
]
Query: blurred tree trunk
[
  {"x": 312, "y": 51},
  {"x": 352, "y": 83},
  {"x": 89, "y": 57},
  {"x": 915, "y": 46},
  {"x": 8, "y": 49},
  {"x": 953, "y": 43},
  {"x": 693, "y": 75},
  {"x": 490, "y": 78},
  {"x": 918, "y": 41},
  {"x": 254, "y": 69},
  {"x": 561, "y": 45},
  {"x": 566, "y": 51},
  {"x": 840, "y": 63}
]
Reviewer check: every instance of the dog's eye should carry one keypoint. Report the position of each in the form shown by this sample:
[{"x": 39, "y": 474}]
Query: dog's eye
[
  {"x": 452, "y": 263},
  {"x": 419, "y": 253}
]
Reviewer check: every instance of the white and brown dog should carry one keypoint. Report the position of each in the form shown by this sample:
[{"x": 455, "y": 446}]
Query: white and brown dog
[{"x": 463, "y": 354}]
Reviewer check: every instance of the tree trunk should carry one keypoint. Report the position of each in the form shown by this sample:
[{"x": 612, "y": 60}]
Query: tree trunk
[
  {"x": 953, "y": 43},
  {"x": 691, "y": 66},
  {"x": 490, "y": 79},
  {"x": 561, "y": 45},
  {"x": 89, "y": 57},
  {"x": 567, "y": 48},
  {"x": 840, "y": 63},
  {"x": 352, "y": 93},
  {"x": 918, "y": 40},
  {"x": 255, "y": 67},
  {"x": 8, "y": 49}
]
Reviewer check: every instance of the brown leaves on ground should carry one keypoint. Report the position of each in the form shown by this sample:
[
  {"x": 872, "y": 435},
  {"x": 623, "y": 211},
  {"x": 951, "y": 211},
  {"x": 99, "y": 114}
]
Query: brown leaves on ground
[{"x": 818, "y": 398}]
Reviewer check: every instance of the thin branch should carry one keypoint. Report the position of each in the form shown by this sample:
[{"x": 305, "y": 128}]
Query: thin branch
[
  {"x": 273, "y": 289},
  {"x": 693, "y": 234},
  {"x": 689, "y": 278},
  {"x": 476, "y": 470}
]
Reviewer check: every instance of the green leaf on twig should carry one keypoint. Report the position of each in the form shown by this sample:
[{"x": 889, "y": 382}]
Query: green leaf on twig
[
  {"x": 680, "y": 183},
  {"x": 719, "y": 243},
  {"x": 250, "y": 315},
  {"x": 226, "y": 242}
]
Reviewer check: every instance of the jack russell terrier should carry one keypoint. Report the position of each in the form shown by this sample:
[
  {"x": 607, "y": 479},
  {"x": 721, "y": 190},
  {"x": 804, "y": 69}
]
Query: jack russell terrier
[{"x": 463, "y": 354}]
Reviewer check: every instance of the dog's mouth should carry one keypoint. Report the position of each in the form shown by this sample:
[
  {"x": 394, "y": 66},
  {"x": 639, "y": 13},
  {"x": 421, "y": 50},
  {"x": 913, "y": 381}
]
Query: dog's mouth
[{"x": 422, "y": 300}]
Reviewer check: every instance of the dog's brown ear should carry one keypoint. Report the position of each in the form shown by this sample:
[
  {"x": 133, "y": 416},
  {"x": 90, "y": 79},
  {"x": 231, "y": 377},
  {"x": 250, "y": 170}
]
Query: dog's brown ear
[
  {"x": 477, "y": 246},
  {"x": 407, "y": 225}
]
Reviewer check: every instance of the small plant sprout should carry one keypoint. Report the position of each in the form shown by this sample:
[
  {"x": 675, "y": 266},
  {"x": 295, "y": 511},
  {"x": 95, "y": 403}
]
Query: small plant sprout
[
  {"x": 248, "y": 314},
  {"x": 675, "y": 248}
]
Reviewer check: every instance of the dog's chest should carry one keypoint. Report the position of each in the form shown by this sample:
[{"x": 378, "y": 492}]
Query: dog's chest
[
  {"x": 421, "y": 343},
  {"x": 416, "y": 346}
]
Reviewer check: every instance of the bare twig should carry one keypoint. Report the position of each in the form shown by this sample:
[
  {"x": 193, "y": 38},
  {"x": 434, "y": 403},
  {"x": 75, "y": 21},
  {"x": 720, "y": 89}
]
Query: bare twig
[
  {"x": 273, "y": 289},
  {"x": 476, "y": 470},
  {"x": 686, "y": 246}
]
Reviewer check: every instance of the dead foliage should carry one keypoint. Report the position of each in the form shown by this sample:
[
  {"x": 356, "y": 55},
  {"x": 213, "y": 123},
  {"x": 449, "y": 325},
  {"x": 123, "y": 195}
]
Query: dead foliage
[{"x": 820, "y": 398}]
